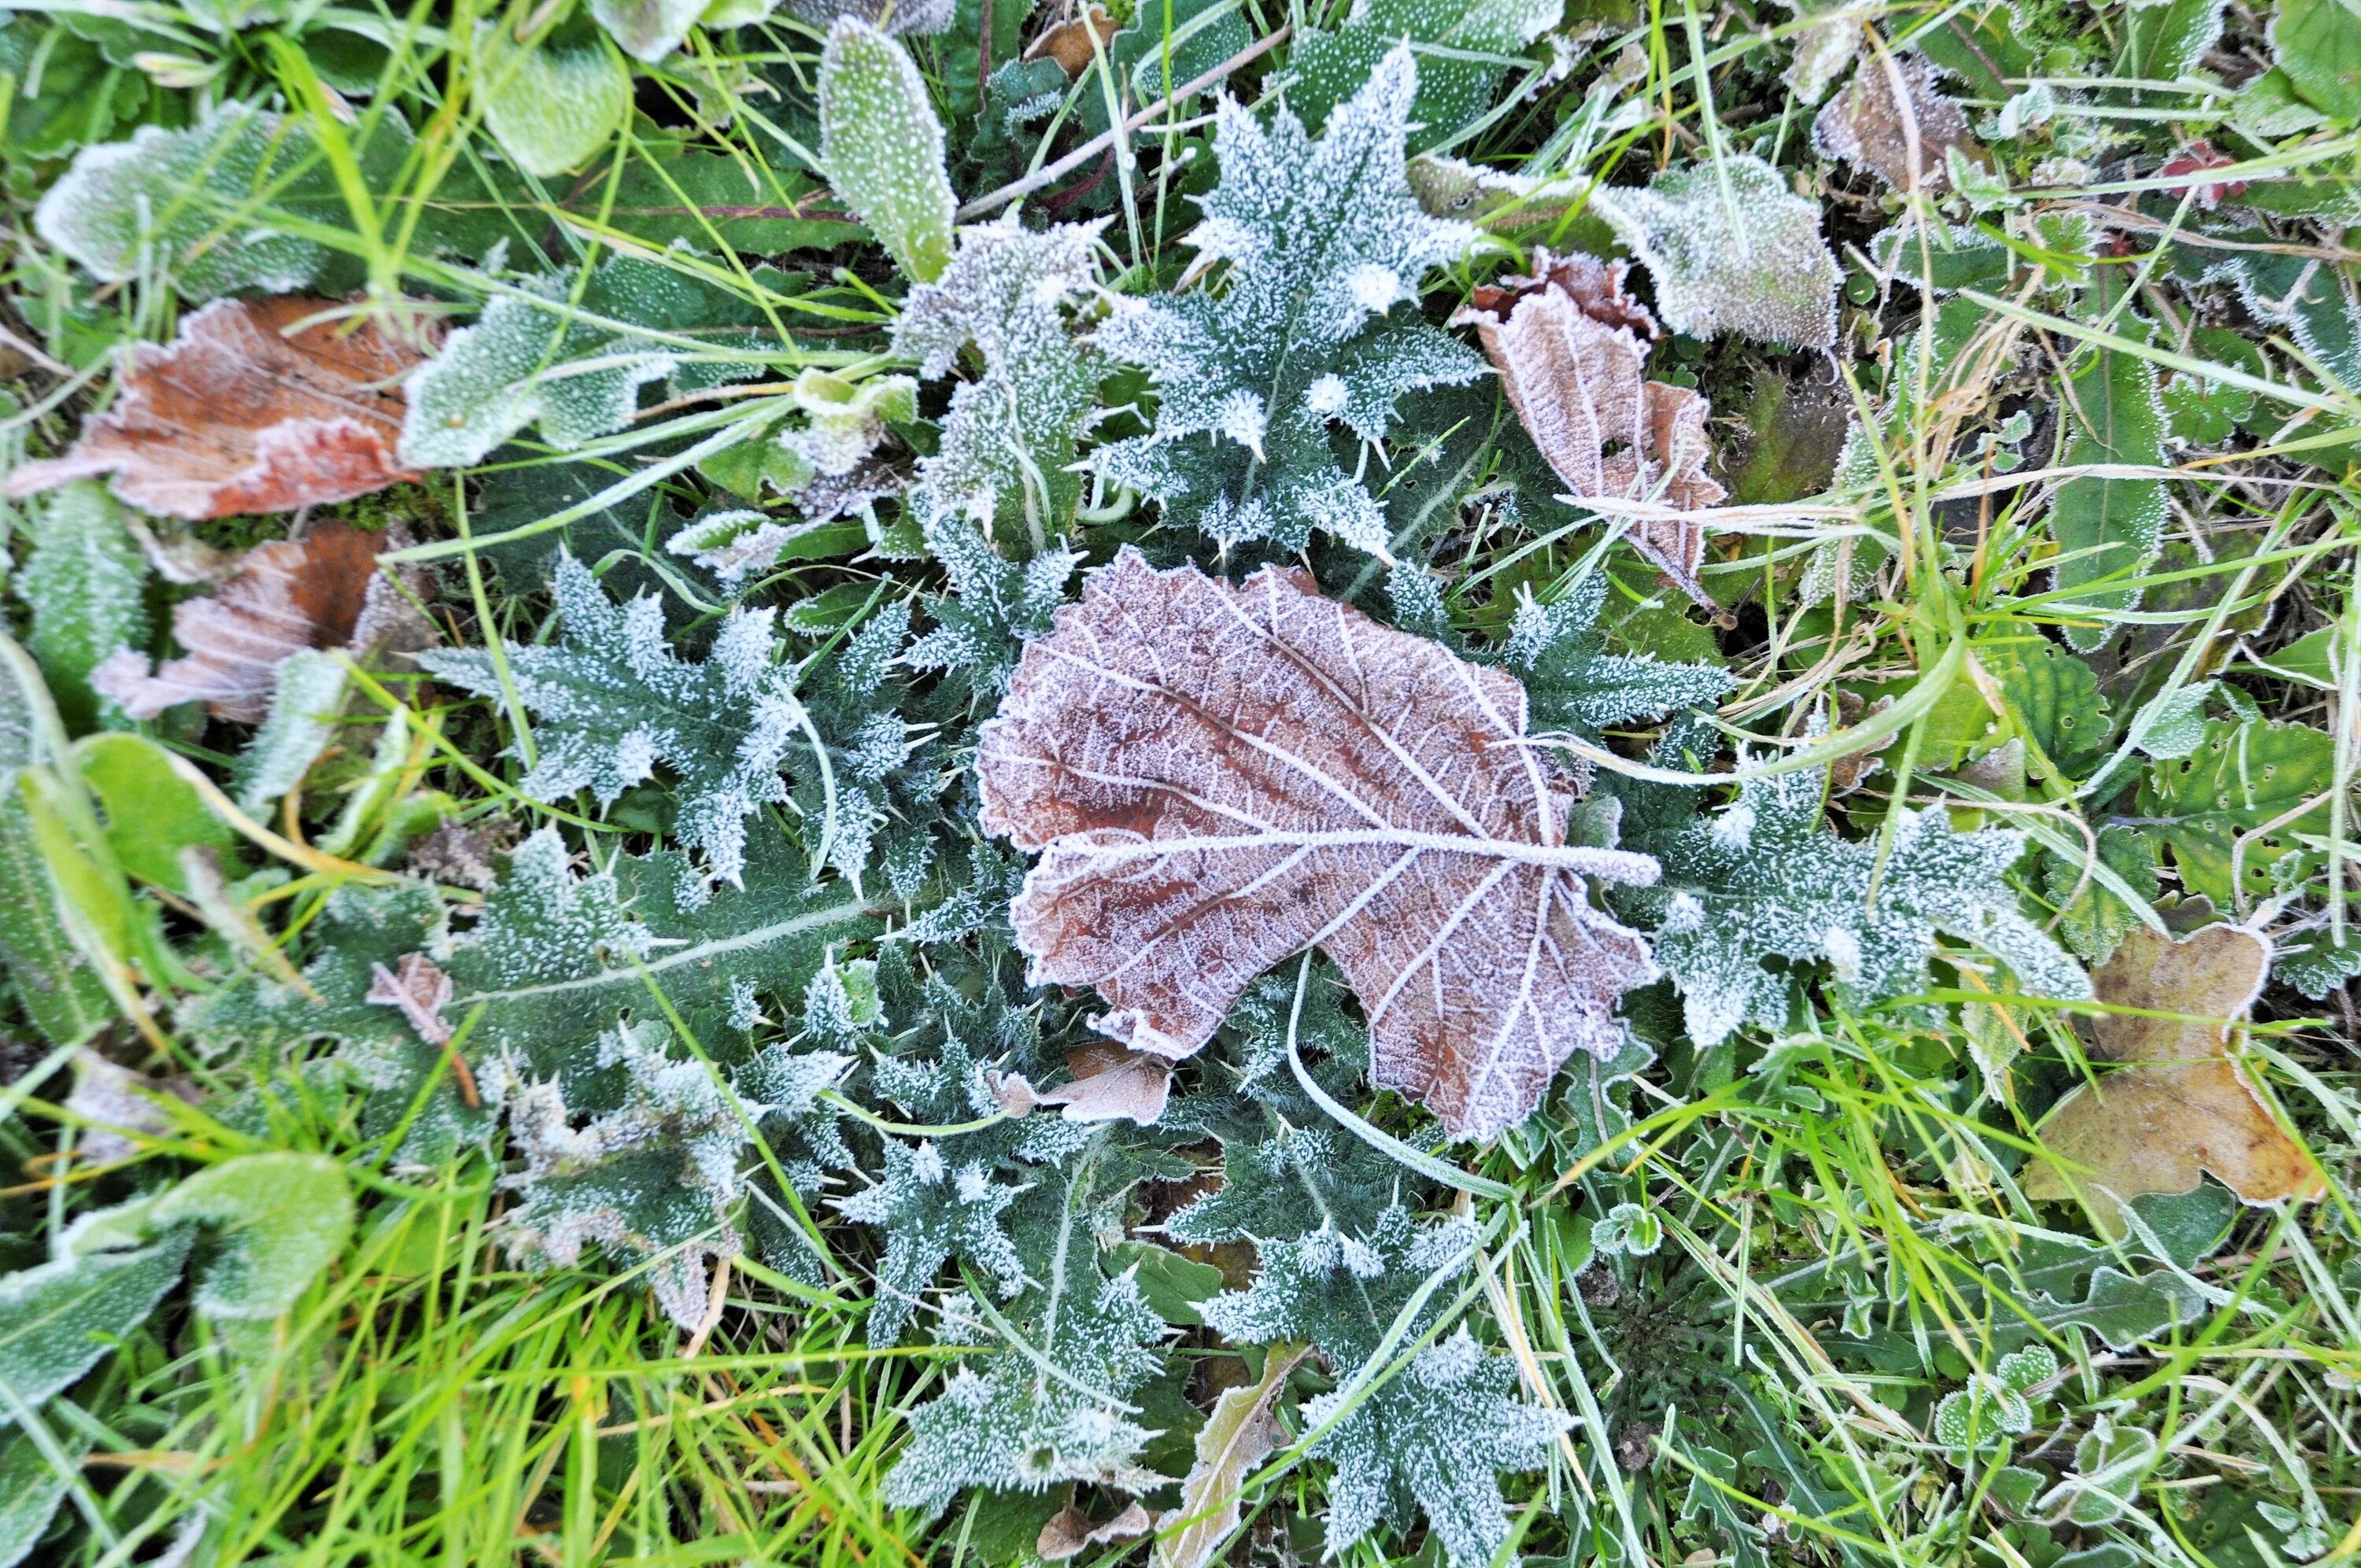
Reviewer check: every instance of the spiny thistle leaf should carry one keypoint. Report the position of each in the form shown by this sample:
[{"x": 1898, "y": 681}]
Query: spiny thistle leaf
[
  {"x": 1322, "y": 241},
  {"x": 614, "y": 702},
  {"x": 1764, "y": 880},
  {"x": 1456, "y": 79}
]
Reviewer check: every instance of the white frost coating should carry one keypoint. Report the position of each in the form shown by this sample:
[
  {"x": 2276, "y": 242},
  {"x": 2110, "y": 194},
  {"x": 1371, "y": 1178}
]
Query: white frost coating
[
  {"x": 1219, "y": 777},
  {"x": 1731, "y": 248},
  {"x": 495, "y": 377}
]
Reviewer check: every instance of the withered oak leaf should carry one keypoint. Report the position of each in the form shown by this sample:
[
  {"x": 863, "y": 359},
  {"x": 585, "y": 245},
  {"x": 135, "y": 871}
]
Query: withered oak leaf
[
  {"x": 259, "y": 405},
  {"x": 1219, "y": 777},
  {"x": 321, "y": 591},
  {"x": 1564, "y": 341}
]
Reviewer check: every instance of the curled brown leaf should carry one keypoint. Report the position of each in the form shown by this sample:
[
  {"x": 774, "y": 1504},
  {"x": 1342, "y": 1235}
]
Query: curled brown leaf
[
  {"x": 1564, "y": 345},
  {"x": 1219, "y": 777},
  {"x": 259, "y": 405},
  {"x": 321, "y": 591},
  {"x": 1893, "y": 120}
]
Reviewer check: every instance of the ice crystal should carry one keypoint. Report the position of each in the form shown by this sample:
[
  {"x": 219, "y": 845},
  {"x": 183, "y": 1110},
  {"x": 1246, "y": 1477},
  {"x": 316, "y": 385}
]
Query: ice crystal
[
  {"x": 1008, "y": 439},
  {"x": 1322, "y": 240},
  {"x": 1439, "y": 1433},
  {"x": 1731, "y": 247},
  {"x": 611, "y": 702},
  {"x": 1764, "y": 880}
]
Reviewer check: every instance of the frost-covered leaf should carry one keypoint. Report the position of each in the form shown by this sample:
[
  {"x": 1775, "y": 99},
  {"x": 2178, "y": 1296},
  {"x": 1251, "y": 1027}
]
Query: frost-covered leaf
[
  {"x": 2181, "y": 1107},
  {"x": 1388, "y": 812},
  {"x": 1235, "y": 1440},
  {"x": 1557, "y": 652},
  {"x": 996, "y": 606},
  {"x": 845, "y": 420},
  {"x": 930, "y": 1213},
  {"x": 85, "y": 582},
  {"x": 2108, "y": 527},
  {"x": 1731, "y": 248},
  {"x": 1322, "y": 241},
  {"x": 648, "y": 29},
  {"x": 1008, "y": 440},
  {"x": 1764, "y": 878},
  {"x": 2318, "y": 44},
  {"x": 321, "y": 591},
  {"x": 655, "y": 1177},
  {"x": 167, "y": 202},
  {"x": 32, "y": 1488},
  {"x": 883, "y": 147},
  {"x": 556, "y": 960},
  {"x": 307, "y": 695},
  {"x": 1571, "y": 362},
  {"x": 1460, "y": 66},
  {"x": 921, "y": 16},
  {"x": 1893, "y": 121},
  {"x": 521, "y": 363},
  {"x": 275, "y": 1220},
  {"x": 1197, "y": 36},
  {"x": 1055, "y": 1408},
  {"x": 552, "y": 102},
  {"x": 249, "y": 409},
  {"x": 57, "y": 1319},
  {"x": 2110, "y": 1463},
  {"x": 611, "y": 702},
  {"x": 1440, "y": 1431}
]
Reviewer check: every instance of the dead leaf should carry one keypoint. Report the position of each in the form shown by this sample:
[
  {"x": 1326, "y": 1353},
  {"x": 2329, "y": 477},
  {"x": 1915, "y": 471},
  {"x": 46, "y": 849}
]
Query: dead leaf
[
  {"x": 322, "y": 591},
  {"x": 1069, "y": 1531},
  {"x": 1220, "y": 777},
  {"x": 1569, "y": 360},
  {"x": 246, "y": 412},
  {"x": 1594, "y": 286},
  {"x": 1069, "y": 43},
  {"x": 421, "y": 990},
  {"x": 1874, "y": 125},
  {"x": 1238, "y": 1435},
  {"x": 2183, "y": 1107}
]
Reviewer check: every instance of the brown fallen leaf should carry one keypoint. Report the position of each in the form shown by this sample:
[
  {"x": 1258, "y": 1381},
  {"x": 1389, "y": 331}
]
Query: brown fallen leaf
[
  {"x": 421, "y": 990},
  {"x": 1594, "y": 286},
  {"x": 2183, "y": 1107},
  {"x": 1221, "y": 777},
  {"x": 322, "y": 591},
  {"x": 1569, "y": 360},
  {"x": 1110, "y": 1084},
  {"x": 1069, "y": 1531},
  {"x": 246, "y": 412},
  {"x": 1069, "y": 43},
  {"x": 1238, "y": 1435},
  {"x": 1874, "y": 125}
]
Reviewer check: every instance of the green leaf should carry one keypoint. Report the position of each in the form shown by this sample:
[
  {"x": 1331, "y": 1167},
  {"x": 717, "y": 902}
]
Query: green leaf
[
  {"x": 2055, "y": 701},
  {"x": 2243, "y": 774},
  {"x": 552, "y": 102},
  {"x": 1731, "y": 247},
  {"x": 1324, "y": 241},
  {"x": 2117, "y": 524},
  {"x": 1764, "y": 881},
  {"x": 152, "y": 814},
  {"x": 65, "y": 93},
  {"x": 57, "y": 1319},
  {"x": 1455, "y": 82},
  {"x": 2170, "y": 41},
  {"x": 277, "y": 1220},
  {"x": 648, "y": 29},
  {"x": 2318, "y": 44},
  {"x": 883, "y": 147},
  {"x": 305, "y": 701},
  {"x": 612, "y": 702},
  {"x": 1201, "y": 34},
  {"x": 57, "y": 985},
  {"x": 30, "y": 1490},
  {"x": 84, "y": 582},
  {"x": 516, "y": 365}
]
